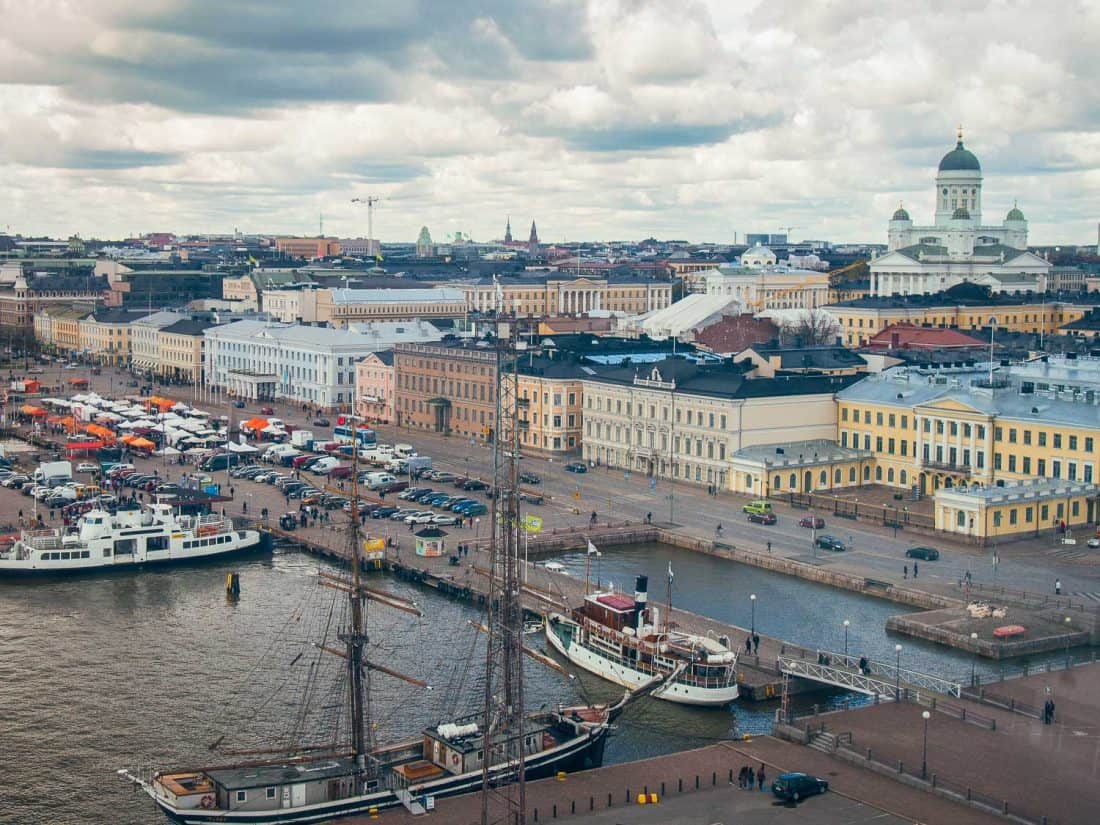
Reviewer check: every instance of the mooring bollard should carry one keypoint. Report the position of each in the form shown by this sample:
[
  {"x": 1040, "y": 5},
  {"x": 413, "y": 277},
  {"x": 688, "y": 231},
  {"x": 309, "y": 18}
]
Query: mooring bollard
[
  {"x": 591, "y": 803},
  {"x": 696, "y": 781},
  {"x": 572, "y": 806},
  {"x": 663, "y": 784},
  {"x": 900, "y": 768},
  {"x": 933, "y": 780},
  {"x": 679, "y": 782},
  {"x": 714, "y": 779},
  {"x": 868, "y": 754}
]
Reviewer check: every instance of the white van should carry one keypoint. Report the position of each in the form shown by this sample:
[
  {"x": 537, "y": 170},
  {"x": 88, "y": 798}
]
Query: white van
[
  {"x": 404, "y": 450},
  {"x": 325, "y": 465},
  {"x": 375, "y": 480}
]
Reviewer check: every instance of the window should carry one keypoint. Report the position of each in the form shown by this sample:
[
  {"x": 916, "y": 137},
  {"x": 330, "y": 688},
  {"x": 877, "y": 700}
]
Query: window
[
  {"x": 843, "y": 438},
  {"x": 1075, "y": 507},
  {"x": 890, "y": 446},
  {"x": 1042, "y": 439},
  {"x": 1012, "y": 435},
  {"x": 242, "y": 796},
  {"x": 794, "y": 481},
  {"x": 1088, "y": 473},
  {"x": 960, "y": 519},
  {"x": 843, "y": 413},
  {"x": 878, "y": 443},
  {"x": 997, "y": 433},
  {"x": 1041, "y": 467},
  {"x": 1088, "y": 443},
  {"x": 878, "y": 419},
  {"x": 269, "y": 793},
  {"x": 1027, "y": 436},
  {"x": 866, "y": 416},
  {"x": 893, "y": 418},
  {"x": 777, "y": 482},
  {"x": 996, "y": 461},
  {"x": 1012, "y": 463},
  {"x": 852, "y": 474},
  {"x": 981, "y": 431},
  {"x": 1073, "y": 442},
  {"x": 903, "y": 477},
  {"x": 1057, "y": 441},
  {"x": 905, "y": 422},
  {"x": 1027, "y": 465},
  {"x": 1056, "y": 468}
]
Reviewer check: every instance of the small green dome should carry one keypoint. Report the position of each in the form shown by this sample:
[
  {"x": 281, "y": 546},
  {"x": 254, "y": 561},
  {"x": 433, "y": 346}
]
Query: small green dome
[
  {"x": 1014, "y": 214},
  {"x": 961, "y": 212},
  {"x": 900, "y": 215}
]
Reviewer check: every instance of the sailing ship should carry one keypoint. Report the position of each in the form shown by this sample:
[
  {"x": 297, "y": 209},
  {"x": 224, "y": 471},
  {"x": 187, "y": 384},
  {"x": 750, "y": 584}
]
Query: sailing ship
[
  {"x": 310, "y": 783},
  {"x": 131, "y": 537},
  {"x": 621, "y": 639}
]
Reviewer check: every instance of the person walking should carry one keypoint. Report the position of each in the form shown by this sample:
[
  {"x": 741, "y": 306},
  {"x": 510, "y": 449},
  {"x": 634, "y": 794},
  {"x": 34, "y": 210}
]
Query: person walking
[
  {"x": 718, "y": 531},
  {"x": 756, "y": 643},
  {"x": 916, "y": 569},
  {"x": 244, "y": 507},
  {"x": 751, "y": 779},
  {"x": 748, "y": 644},
  {"x": 1057, "y": 586},
  {"x": 905, "y": 571},
  {"x": 760, "y": 776}
]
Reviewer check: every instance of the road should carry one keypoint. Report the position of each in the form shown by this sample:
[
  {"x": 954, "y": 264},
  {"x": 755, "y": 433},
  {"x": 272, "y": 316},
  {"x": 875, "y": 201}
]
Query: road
[{"x": 615, "y": 495}]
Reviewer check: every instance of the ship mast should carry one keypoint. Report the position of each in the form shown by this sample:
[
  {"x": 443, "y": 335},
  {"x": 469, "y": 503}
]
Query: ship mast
[
  {"x": 355, "y": 637},
  {"x": 504, "y": 723}
]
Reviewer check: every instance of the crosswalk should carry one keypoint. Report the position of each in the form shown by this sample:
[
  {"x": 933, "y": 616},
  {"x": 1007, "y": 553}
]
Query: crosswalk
[
  {"x": 1068, "y": 553},
  {"x": 1093, "y": 595}
]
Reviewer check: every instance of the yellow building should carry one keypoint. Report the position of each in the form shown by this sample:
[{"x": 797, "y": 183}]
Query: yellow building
[
  {"x": 59, "y": 327},
  {"x": 105, "y": 335},
  {"x": 797, "y": 467},
  {"x": 541, "y": 296},
  {"x": 551, "y": 414},
  {"x": 1018, "y": 509},
  {"x": 952, "y": 429},
  {"x": 966, "y": 308},
  {"x": 181, "y": 351},
  {"x": 307, "y": 247}
]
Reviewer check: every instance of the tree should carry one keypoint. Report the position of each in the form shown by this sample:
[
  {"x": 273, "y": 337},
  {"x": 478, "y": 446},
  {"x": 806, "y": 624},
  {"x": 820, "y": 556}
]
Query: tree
[{"x": 811, "y": 328}]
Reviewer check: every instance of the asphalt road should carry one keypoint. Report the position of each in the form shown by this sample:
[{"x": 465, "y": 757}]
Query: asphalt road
[{"x": 615, "y": 495}]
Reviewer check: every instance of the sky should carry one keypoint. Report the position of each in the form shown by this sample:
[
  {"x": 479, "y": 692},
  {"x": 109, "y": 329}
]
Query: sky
[{"x": 599, "y": 119}]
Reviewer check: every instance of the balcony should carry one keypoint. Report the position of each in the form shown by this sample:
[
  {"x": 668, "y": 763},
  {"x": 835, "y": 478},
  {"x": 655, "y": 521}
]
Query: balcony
[{"x": 945, "y": 466}]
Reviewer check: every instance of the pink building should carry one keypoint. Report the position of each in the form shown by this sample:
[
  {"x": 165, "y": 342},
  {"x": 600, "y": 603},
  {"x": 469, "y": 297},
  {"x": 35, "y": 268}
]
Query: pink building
[{"x": 374, "y": 387}]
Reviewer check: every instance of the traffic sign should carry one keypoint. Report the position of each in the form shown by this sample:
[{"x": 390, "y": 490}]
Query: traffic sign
[{"x": 532, "y": 524}]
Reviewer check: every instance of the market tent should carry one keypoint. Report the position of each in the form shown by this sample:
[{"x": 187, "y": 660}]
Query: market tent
[
  {"x": 240, "y": 448},
  {"x": 255, "y": 424},
  {"x": 30, "y": 409},
  {"x": 99, "y": 430},
  {"x": 78, "y": 382},
  {"x": 129, "y": 439},
  {"x": 73, "y": 446},
  {"x": 142, "y": 444},
  {"x": 162, "y": 404},
  {"x": 167, "y": 451}
]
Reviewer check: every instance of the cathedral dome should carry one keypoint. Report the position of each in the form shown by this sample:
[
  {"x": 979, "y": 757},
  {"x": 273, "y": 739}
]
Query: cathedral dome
[
  {"x": 1014, "y": 214},
  {"x": 900, "y": 215},
  {"x": 960, "y": 159},
  {"x": 961, "y": 212}
]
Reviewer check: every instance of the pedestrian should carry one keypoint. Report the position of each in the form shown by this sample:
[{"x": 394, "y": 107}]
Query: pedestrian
[
  {"x": 718, "y": 530},
  {"x": 1057, "y": 587},
  {"x": 51, "y": 514},
  {"x": 756, "y": 643},
  {"x": 649, "y": 518},
  {"x": 232, "y": 492},
  {"x": 751, "y": 779},
  {"x": 760, "y": 776},
  {"x": 1051, "y": 715},
  {"x": 769, "y": 546},
  {"x": 916, "y": 569},
  {"x": 905, "y": 571},
  {"x": 748, "y": 644},
  {"x": 743, "y": 777},
  {"x": 244, "y": 506},
  {"x": 863, "y": 665},
  {"x": 967, "y": 577}
]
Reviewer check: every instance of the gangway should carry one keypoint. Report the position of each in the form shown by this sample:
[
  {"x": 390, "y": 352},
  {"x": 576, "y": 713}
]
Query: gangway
[{"x": 881, "y": 680}]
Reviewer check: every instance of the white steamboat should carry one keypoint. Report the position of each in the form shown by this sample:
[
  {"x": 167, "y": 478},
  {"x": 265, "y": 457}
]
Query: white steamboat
[
  {"x": 621, "y": 640},
  {"x": 126, "y": 539}
]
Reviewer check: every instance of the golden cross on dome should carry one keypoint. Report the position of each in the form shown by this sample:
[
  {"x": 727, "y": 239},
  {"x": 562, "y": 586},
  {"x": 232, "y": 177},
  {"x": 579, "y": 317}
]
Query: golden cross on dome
[{"x": 960, "y": 133}]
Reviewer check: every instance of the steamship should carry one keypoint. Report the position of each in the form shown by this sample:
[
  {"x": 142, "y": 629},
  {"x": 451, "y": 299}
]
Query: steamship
[{"x": 622, "y": 640}]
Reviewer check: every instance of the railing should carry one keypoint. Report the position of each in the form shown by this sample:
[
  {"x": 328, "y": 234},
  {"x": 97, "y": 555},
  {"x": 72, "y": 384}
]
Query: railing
[
  {"x": 880, "y": 679},
  {"x": 949, "y": 466}
]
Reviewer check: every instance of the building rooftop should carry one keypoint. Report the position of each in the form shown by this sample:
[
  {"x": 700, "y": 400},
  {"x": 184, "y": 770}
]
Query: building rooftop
[
  {"x": 1032, "y": 489},
  {"x": 365, "y": 337},
  {"x": 811, "y": 358},
  {"x": 907, "y": 336},
  {"x": 161, "y": 319},
  {"x": 118, "y": 316},
  {"x": 800, "y": 453},
  {"x": 384, "y": 296},
  {"x": 734, "y": 333},
  {"x": 188, "y": 326},
  {"x": 965, "y": 295}
]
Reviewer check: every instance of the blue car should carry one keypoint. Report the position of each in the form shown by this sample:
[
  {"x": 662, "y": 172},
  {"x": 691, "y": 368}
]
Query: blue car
[
  {"x": 456, "y": 506},
  {"x": 474, "y": 509}
]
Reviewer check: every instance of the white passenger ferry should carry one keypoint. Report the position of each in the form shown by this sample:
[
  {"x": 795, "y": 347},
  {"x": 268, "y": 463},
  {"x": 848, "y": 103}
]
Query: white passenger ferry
[
  {"x": 129, "y": 538},
  {"x": 621, "y": 640}
]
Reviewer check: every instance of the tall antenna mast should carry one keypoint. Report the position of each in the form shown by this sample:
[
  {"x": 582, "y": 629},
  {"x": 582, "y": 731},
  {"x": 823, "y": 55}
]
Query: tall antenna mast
[
  {"x": 505, "y": 802},
  {"x": 370, "y": 201}
]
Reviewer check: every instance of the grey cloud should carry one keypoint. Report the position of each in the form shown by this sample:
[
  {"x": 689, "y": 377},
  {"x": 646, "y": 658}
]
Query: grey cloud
[
  {"x": 116, "y": 158},
  {"x": 627, "y": 138},
  {"x": 380, "y": 172}
]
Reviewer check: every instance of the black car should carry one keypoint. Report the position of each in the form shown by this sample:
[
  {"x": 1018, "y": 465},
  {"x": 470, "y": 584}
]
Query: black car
[
  {"x": 831, "y": 543},
  {"x": 762, "y": 518},
  {"x": 529, "y": 478},
  {"x": 382, "y": 512},
  {"x": 576, "y": 467},
  {"x": 239, "y": 405},
  {"x": 796, "y": 786},
  {"x": 474, "y": 484},
  {"x": 322, "y": 422},
  {"x": 925, "y": 553},
  {"x": 531, "y": 498}
]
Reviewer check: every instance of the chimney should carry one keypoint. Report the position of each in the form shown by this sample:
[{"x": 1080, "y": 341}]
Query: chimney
[
  {"x": 895, "y": 340},
  {"x": 641, "y": 594}
]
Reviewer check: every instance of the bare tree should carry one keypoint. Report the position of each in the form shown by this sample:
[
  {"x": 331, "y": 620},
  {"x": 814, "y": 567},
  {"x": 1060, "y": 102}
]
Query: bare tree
[{"x": 812, "y": 328}]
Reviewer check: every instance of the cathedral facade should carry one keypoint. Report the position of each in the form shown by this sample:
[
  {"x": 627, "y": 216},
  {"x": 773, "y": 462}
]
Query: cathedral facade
[{"x": 957, "y": 247}]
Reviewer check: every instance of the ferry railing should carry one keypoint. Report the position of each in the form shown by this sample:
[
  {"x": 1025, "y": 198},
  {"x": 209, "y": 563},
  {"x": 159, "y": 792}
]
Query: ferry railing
[{"x": 881, "y": 681}]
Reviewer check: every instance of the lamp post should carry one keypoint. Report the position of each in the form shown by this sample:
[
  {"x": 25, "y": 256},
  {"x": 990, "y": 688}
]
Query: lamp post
[
  {"x": 974, "y": 660},
  {"x": 752, "y": 601},
  {"x": 925, "y": 715},
  {"x": 897, "y": 674},
  {"x": 846, "y": 623},
  {"x": 992, "y": 329},
  {"x": 1069, "y": 621}
]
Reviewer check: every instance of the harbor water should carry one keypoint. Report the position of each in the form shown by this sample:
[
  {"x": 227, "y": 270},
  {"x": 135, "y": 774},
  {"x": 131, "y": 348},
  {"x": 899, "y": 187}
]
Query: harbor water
[{"x": 146, "y": 669}]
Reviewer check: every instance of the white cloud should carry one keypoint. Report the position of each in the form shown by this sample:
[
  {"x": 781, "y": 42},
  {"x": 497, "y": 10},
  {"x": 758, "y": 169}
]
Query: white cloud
[{"x": 598, "y": 118}]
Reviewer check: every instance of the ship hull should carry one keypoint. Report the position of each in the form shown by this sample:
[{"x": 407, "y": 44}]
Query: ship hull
[
  {"x": 577, "y": 754},
  {"x": 261, "y": 543},
  {"x": 631, "y": 678}
]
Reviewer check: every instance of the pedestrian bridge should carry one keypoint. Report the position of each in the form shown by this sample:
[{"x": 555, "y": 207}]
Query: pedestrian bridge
[{"x": 882, "y": 680}]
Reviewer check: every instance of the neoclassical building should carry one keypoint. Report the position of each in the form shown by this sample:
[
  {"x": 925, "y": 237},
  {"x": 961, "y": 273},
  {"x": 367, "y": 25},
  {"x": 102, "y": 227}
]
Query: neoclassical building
[{"x": 957, "y": 247}]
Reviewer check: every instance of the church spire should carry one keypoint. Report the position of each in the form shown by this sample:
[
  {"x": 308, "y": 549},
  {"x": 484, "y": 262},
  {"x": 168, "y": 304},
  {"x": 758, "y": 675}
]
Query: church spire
[
  {"x": 534, "y": 234},
  {"x": 508, "y": 231}
]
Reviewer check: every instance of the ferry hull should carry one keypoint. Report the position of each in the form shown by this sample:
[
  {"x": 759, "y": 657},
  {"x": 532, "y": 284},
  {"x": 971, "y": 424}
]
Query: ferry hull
[
  {"x": 577, "y": 754},
  {"x": 633, "y": 679},
  {"x": 262, "y": 544}
]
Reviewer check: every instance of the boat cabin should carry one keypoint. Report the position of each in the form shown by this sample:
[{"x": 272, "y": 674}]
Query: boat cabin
[
  {"x": 458, "y": 747},
  {"x": 613, "y": 610},
  {"x": 264, "y": 787}
]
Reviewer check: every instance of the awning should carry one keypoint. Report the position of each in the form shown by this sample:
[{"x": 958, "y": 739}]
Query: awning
[
  {"x": 254, "y": 424},
  {"x": 142, "y": 444},
  {"x": 73, "y": 446},
  {"x": 30, "y": 409}
]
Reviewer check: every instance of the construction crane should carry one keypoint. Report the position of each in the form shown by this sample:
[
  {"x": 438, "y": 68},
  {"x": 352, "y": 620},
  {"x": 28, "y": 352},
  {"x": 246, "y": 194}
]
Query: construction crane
[
  {"x": 370, "y": 201},
  {"x": 787, "y": 231}
]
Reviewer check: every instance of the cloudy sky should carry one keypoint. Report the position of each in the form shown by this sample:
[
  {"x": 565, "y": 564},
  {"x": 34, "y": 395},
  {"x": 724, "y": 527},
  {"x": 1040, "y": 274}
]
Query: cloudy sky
[{"x": 608, "y": 119}]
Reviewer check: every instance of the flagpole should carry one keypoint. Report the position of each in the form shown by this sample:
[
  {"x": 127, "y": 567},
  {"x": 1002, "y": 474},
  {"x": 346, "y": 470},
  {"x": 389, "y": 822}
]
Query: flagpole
[
  {"x": 668, "y": 601},
  {"x": 587, "y": 566}
]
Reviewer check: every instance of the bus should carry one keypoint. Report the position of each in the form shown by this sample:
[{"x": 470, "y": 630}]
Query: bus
[{"x": 364, "y": 435}]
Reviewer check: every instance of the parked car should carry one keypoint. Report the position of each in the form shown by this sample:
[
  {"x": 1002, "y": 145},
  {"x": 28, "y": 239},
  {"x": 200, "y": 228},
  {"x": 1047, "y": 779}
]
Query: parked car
[
  {"x": 925, "y": 553},
  {"x": 322, "y": 422},
  {"x": 239, "y": 405},
  {"x": 16, "y": 482},
  {"x": 412, "y": 491},
  {"x": 831, "y": 543},
  {"x": 576, "y": 467},
  {"x": 762, "y": 518},
  {"x": 531, "y": 498},
  {"x": 87, "y": 467},
  {"x": 473, "y": 484},
  {"x": 815, "y": 522},
  {"x": 443, "y": 519},
  {"x": 267, "y": 410},
  {"x": 529, "y": 478},
  {"x": 474, "y": 509},
  {"x": 424, "y": 517},
  {"x": 1094, "y": 542},
  {"x": 382, "y": 512},
  {"x": 796, "y": 786}
]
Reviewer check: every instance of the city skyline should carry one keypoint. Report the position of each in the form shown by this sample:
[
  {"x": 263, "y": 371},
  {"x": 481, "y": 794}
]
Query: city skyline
[{"x": 599, "y": 120}]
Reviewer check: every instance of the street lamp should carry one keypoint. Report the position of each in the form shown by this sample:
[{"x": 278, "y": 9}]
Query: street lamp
[
  {"x": 992, "y": 329},
  {"x": 846, "y": 623},
  {"x": 897, "y": 674},
  {"x": 974, "y": 660},
  {"x": 925, "y": 715},
  {"x": 1069, "y": 621},
  {"x": 752, "y": 601}
]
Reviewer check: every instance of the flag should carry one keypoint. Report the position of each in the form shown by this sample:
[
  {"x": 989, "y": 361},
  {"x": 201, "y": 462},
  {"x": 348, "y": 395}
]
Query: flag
[
  {"x": 532, "y": 524},
  {"x": 670, "y": 571},
  {"x": 592, "y": 551}
]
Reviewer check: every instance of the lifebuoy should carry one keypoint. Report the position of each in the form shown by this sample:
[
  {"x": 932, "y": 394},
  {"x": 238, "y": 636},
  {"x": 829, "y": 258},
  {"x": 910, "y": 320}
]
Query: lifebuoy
[
  {"x": 207, "y": 801},
  {"x": 454, "y": 758}
]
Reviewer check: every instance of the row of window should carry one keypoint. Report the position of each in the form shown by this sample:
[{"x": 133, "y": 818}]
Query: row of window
[
  {"x": 66, "y": 555},
  {"x": 961, "y": 516},
  {"x": 699, "y": 418},
  {"x": 224, "y": 539},
  {"x": 1074, "y": 470},
  {"x": 447, "y": 387},
  {"x": 1056, "y": 439},
  {"x": 460, "y": 411}
]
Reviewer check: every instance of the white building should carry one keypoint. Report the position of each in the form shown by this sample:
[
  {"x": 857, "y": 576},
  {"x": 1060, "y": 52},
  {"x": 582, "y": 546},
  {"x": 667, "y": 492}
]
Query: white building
[
  {"x": 957, "y": 247},
  {"x": 145, "y": 338},
  {"x": 292, "y": 305},
  {"x": 265, "y": 360},
  {"x": 769, "y": 287},
  {"x": 757, "y": 256}
]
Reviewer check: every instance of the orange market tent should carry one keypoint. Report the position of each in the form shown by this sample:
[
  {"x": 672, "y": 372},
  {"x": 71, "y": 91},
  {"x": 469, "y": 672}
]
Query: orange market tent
[
  {"x": 142, "y": 444},
  {"x": 129, "y": 439},
  {"x": 99, "y": 430},
  {"x": 65, "y": 421},
  {"x": 162, "y": 404},
  {"x": 74, "y": 446},
  {"x": 255, "y": 424},
  {"x": 32, "y": 386},
  {"x": 30, "y": 409},
  {"x": 79, "y": 382}
]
